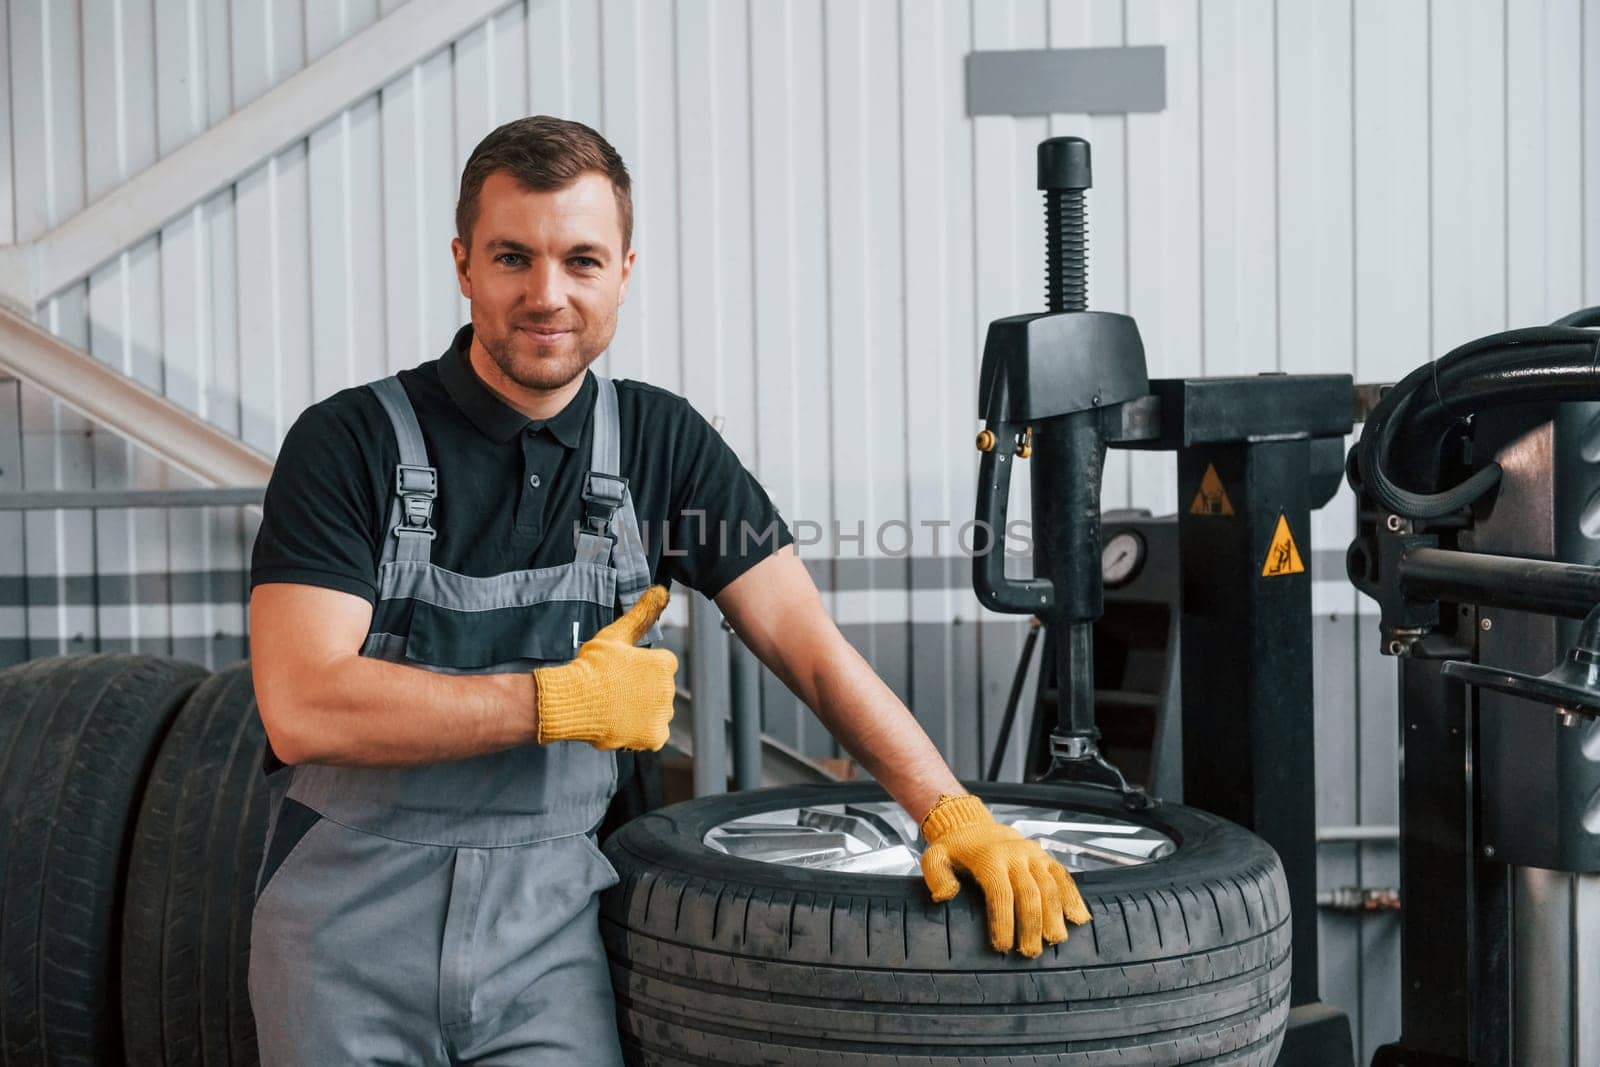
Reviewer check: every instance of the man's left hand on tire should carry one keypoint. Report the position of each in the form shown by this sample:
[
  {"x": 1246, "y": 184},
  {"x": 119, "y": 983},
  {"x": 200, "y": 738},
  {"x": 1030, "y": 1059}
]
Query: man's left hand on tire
[
  {"x": 612, "y": 694},
  {"x": 1023, "y": 886}
]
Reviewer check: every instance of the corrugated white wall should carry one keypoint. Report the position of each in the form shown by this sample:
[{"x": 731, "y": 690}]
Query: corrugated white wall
[{"x": 1335, "y": 185}]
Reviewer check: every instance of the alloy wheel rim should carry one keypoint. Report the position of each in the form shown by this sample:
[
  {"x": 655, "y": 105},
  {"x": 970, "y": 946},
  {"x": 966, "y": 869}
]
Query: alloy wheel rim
[{"x": 879, "y": 837}]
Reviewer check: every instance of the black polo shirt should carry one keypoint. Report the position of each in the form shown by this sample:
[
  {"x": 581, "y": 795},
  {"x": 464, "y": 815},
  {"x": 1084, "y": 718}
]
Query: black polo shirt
[{"x": 509, "y": 487}]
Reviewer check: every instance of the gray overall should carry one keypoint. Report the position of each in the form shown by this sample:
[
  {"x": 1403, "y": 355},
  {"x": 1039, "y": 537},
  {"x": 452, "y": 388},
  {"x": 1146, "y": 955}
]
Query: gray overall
[{"x": 447, "y": 913}]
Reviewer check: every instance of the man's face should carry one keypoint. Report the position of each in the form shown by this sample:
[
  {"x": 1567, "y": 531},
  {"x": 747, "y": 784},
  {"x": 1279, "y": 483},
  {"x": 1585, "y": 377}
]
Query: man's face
[{"x": 545, "y": 274}]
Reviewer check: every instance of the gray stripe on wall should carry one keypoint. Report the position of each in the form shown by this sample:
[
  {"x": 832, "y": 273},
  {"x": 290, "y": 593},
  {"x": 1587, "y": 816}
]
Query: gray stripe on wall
[
  {"x": 844, "y": 574},
  {"x": 171, "y": 587},
  {"x": 1327, "y": 563},
  {"x": 214, "y": 652},
  {"x": 851, "y": 574}
]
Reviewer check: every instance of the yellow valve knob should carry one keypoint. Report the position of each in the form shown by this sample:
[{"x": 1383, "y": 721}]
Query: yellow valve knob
[
  {"x": 985, "y": 440},
  {"x": 1025, "y": 444}
]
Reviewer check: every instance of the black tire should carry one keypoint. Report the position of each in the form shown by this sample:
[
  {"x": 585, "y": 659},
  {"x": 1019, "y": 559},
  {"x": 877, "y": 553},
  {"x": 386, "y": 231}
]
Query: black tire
[
  {"x": 191, "y": 884},
  {"x": 78, "y": 735},
  {"x": 721, "y": 960}
]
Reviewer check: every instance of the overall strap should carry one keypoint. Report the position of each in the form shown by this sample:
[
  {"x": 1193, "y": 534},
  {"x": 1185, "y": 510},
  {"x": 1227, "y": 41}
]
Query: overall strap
[
  {"x": 416, "y": 484},
  {"x": 603, "y": 488},
  {"x": 609, "y": 532}
]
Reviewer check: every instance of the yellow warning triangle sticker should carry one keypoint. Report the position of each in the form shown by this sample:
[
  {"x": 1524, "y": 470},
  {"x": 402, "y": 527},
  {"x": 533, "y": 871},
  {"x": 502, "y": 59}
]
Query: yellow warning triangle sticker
[
  {"x": 1212, "y": 499},
  {"x": 1283, "y": 557}
]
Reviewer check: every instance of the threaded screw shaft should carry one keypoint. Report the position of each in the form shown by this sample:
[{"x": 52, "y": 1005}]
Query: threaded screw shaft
[
  {"x": 1064, "y": 174},
  {"x": 1066, "y": 250}
]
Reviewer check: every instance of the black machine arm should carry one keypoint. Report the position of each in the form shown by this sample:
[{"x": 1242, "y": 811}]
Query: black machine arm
[
  {"x": 1564, "y": 590},
  {"x": 1572, "y": 686},
  {"x": 1051, "y": 389}
]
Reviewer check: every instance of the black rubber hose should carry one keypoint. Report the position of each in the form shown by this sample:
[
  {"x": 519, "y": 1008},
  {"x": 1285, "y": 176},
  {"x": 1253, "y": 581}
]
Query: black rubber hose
[
  {"x": 1524, "y": 374},
  {"x": 1536, "y": 373},
  {"x": 1524, "y": 364},
  {"x": 1586, "y": 317},
  {"x": 1494, "y": 348},
  {"x": 1012, "y": 700}
]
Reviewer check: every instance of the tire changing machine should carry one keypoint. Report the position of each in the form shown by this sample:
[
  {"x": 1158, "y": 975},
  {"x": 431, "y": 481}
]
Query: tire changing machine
[
  {"x": 1489, "y": 787},
  {"x": 1491, "y": 601}
]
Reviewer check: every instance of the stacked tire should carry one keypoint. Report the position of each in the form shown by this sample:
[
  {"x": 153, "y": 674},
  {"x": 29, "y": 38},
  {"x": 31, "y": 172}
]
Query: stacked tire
[
  {"x": 132, "y": 812},
  {"x": 191, "y": 884},
  {"x": 724, "y": 960}
]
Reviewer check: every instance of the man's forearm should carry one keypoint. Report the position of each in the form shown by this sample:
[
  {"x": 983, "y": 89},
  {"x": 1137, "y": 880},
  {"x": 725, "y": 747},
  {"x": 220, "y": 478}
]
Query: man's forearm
[
  {"x": 872, "y": 724},
  {"x": 776, "y": 610},
  {"x": 371, "y": 713}
]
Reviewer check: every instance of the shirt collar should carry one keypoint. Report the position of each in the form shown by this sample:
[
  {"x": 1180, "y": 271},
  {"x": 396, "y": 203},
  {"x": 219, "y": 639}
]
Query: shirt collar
[{"x": 496, "y": 419}]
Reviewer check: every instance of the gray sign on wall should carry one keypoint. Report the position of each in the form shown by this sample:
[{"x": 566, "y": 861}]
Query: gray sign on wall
[{"x": 1051, "y": 81}]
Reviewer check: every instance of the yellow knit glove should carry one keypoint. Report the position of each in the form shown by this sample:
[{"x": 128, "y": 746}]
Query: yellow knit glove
[
  {"x": 1015, "y": 873},
  {"x": 613, "y": 694}
]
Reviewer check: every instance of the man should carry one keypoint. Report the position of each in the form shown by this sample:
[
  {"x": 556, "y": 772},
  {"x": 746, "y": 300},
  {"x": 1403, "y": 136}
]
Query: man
[{"x": 445, "y": 672}]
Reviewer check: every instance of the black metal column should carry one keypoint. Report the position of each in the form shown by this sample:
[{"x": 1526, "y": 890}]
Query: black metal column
[
  {"x": 1454, "y": 943},
  {"x": 1248, "y": 736}
]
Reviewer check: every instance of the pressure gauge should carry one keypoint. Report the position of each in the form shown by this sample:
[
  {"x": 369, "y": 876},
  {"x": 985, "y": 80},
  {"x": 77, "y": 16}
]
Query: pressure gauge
[{"x": 1121, "y": 558}]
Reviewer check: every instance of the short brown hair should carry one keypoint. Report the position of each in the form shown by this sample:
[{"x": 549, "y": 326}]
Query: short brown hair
[{"x": 543, "y": 153}]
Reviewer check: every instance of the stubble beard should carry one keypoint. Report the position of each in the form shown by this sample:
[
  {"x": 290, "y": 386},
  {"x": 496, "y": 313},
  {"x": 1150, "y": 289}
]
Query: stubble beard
[{"x": 520, "y": 360}]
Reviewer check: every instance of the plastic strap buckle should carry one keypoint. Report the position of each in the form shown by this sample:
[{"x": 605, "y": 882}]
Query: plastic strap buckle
[
  {"x": 602, "y": 496},
  {"x": 417, "y": 487}
]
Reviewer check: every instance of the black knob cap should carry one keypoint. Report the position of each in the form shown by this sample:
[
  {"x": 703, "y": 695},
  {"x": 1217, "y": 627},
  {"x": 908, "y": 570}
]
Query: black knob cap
[{"x": 1064, "y": 163}]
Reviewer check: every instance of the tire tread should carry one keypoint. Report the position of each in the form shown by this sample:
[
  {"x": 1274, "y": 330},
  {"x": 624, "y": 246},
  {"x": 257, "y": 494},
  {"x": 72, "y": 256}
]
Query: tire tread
[
  {"x": 80, "y": 735},
  {"x": 197, "y": 849}
]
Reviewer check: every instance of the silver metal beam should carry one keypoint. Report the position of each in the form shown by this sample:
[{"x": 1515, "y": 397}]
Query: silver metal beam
[
  {"x": 232, "y": 148},
  {"x": 1353, "y": 834},
  {"x": 708, "y": 681},
  {"x": 744, "y": 684},
  {"x": 780, "y": 763},
  {"x": 101, "y": 393}
]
